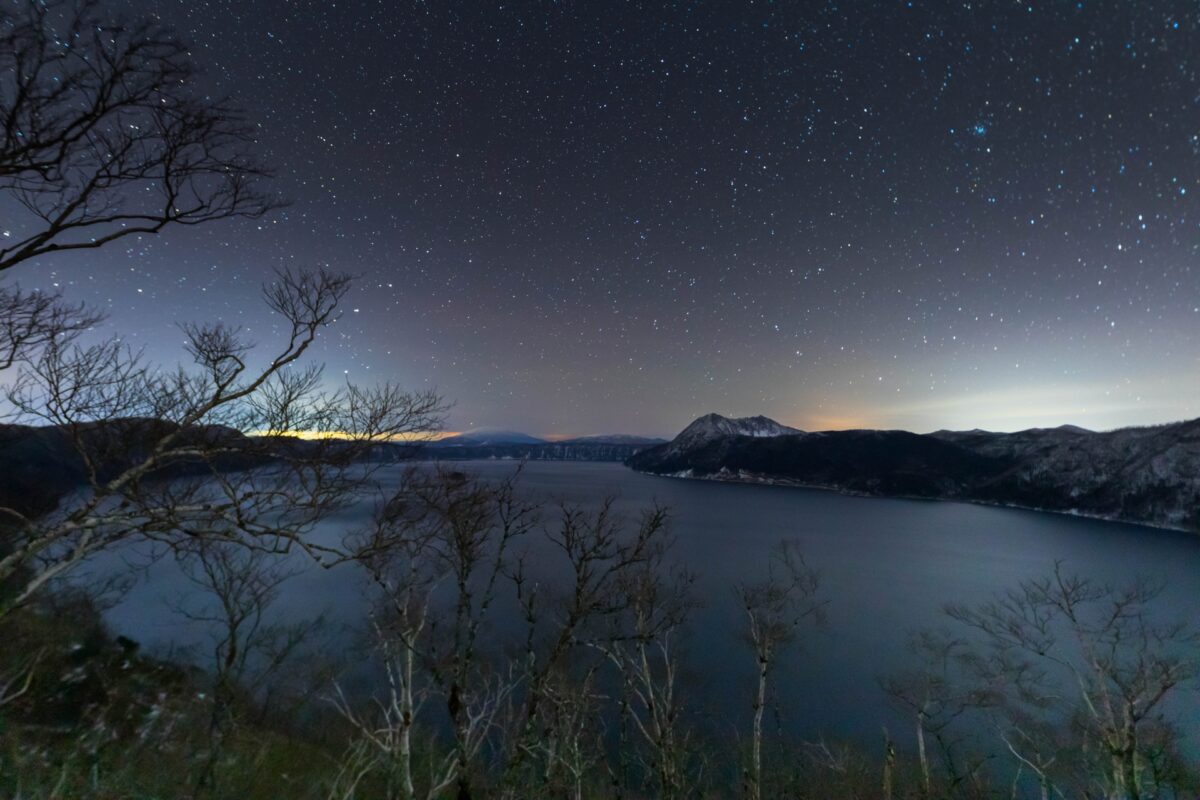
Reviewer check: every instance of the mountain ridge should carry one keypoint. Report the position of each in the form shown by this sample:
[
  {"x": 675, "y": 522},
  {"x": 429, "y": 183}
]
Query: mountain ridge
[
  {"x": 485, "y": 437},
  {"x": 1142, "y": 475}
]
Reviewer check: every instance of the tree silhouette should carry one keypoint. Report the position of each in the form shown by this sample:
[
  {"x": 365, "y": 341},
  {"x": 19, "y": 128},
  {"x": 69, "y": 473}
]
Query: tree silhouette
[{"x": 102, "y": 135}]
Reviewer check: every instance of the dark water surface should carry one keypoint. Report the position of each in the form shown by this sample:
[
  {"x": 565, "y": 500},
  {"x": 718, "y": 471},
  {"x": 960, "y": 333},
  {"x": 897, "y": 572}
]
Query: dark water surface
[{"x": 887, "y": 567}]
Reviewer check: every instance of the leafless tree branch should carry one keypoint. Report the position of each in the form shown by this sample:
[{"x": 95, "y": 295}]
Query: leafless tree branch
[{"x": 103, "y": 137}]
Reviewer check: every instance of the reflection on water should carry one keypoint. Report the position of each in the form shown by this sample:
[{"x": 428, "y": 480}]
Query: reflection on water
[{"x": 887, "y": 566}]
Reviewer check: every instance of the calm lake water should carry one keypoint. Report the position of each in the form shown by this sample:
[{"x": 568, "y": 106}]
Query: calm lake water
[{"x": 887, "y": 567}]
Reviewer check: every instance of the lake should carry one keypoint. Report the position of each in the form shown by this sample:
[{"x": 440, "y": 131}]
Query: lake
[{"x": 887, "y": 567}]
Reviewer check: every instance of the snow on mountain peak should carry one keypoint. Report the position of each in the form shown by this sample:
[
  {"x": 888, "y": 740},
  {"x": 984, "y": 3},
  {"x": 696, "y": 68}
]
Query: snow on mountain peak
[{"x": 712, "y": 426}]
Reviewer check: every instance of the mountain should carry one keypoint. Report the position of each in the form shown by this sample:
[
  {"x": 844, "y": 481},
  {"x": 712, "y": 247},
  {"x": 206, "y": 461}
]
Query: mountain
[
  {"x": 603, "y": 448},
  {"x": 486, "y": 437},
  {"x": 1145, "y": 475},
  {"x": 615, "y": 438},
  {"x": 714, "y": 427},
  {"x": 869, "y": 462},
  {"x": 509, "y": 445},
  {"x": 38, "y": 465}
]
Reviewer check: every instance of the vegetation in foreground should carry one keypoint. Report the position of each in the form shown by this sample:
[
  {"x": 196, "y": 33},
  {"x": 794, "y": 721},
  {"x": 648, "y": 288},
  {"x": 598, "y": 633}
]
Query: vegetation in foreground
[{"x": 1058, "y": 688}]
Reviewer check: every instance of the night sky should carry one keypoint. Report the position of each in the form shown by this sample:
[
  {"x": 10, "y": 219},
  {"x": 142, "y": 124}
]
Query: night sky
[{"x": 603, "y": 217}]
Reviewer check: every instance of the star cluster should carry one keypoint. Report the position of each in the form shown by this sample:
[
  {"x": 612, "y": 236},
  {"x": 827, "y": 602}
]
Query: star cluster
[{"x": 582, "y": 217}]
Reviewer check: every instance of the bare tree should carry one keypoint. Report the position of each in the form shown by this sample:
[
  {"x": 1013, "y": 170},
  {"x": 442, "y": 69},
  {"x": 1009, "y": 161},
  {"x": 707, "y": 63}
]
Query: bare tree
[
  {"x": 397, "y": 556},
  {"x": 597, "y": 551},
  {"x": 479, "y": 526},
  {"x": 440, "y": 554},
  {"x": 31, "y": 320},
  {"x": 163, "y": 453},
  {"x": 775, "y": 607},
  {"x": 644, "y": 648},
  {"x": 1099, "y": 659},
  {"x": 441, "y": 529},
  {"x": 384, "y": 731},
  {"x": 1035, "y": 747},
  {"x": 103, "y": 136},
  {"x": 249, "y": 645},
  {"x": 573, "y": 740},
  {"x": 937, "y": 692},
  {"x": 889, "y": 767},
  {"x": 16, "y": 682}
]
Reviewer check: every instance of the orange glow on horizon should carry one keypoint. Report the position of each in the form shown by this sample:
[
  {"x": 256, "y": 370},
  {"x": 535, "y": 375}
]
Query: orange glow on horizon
[
  {"x": 416, "y": 436},
  {"x": 832, "y": 423}
]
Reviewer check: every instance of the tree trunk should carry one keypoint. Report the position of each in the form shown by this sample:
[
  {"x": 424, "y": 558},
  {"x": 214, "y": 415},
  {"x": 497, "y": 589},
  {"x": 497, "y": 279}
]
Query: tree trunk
[
  {"x": 754, "y": 787},
  {"x": 407, "y": 713},
  {"x": 1129, "y": 774},
  {"x": 889, "y": 765},
  {"x": 927, "y": 783}
]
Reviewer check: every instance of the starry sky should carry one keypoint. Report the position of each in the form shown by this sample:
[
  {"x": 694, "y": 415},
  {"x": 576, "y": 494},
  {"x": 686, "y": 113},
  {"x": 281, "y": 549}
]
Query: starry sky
[{"x": 598, "y": 217}]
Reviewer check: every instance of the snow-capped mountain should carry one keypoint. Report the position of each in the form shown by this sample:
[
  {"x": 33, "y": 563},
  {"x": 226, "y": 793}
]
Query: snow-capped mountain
[{"x": 714, "y": 426}]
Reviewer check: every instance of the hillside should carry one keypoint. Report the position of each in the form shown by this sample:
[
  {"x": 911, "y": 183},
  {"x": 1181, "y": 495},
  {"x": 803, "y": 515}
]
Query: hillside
[
  {"x": 38, "y": 465},
  {"x": 1144, "y": 475},
  {"x": 616, "y": 449}
]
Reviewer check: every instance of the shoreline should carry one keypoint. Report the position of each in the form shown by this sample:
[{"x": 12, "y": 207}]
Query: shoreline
[{"x": 750, "y": 479}]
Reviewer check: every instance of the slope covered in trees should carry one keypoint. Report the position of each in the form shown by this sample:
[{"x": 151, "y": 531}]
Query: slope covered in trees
[{"x": 1146, "y": 475}]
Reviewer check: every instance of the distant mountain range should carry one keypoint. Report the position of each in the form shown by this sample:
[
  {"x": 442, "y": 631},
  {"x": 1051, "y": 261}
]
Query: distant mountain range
[
  {"x": 521, "y": 446},
  {"x": 481, "y": 438},
  {"x": 1146, "y": 475},
  {"x": 487, "y": 438}
]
